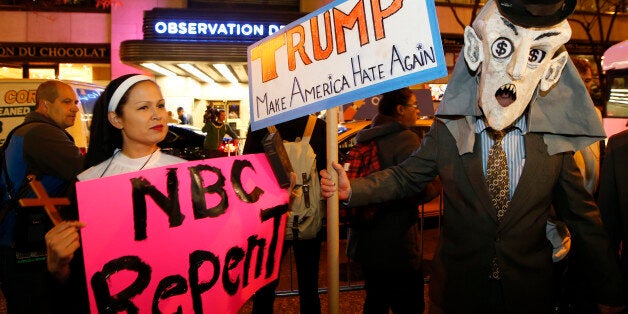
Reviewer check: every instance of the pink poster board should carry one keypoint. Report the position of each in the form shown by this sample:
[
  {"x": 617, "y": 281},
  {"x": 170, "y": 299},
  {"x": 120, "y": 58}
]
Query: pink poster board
[{"x": 199, "y": 236}]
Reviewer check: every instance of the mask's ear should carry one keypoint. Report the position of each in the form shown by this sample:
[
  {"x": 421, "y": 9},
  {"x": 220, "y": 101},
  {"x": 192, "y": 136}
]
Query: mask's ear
[
  {"x": 473, "y": 50},
  {"x": 554, "y": 71},
  {"x": 114, "y": 120}
]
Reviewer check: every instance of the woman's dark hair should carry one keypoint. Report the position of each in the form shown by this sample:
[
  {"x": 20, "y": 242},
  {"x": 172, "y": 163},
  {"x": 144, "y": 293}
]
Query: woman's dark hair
[
  {"x": 388, "y": 104},
  {"x": 104, "y": 138}
]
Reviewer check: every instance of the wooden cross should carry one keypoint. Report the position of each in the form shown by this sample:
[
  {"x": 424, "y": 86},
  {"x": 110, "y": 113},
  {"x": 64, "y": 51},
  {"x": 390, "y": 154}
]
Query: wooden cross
[{"x": 49, "y": 203}]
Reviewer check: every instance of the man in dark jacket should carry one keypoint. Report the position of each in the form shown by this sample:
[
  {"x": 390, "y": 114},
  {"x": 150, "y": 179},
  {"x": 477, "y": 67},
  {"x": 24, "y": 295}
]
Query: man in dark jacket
[
  {"x": 513, "y": 113},
  {"x": 184, "y": 118},
  {"x": 42, "y": 147},
  {"x": 387, "y": 245},
  {"x": 613, "y": 198}
]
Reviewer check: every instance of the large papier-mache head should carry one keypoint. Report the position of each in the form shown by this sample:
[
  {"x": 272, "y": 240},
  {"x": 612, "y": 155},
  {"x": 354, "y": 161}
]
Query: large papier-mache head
[{"x": 514, "y": 46}]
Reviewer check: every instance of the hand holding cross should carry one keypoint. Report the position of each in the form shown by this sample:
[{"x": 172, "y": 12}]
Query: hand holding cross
[{"x": 49, "y": 203}]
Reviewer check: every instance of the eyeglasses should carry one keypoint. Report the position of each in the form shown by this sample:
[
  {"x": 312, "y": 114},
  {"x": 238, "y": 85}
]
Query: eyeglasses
[{"x": 414, "y": 105}]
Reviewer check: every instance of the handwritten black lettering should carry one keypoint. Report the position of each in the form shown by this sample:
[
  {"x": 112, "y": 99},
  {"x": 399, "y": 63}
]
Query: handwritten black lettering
[
  {"x": 198, "y": 192},
  {"x": 168, "y": 287},
  {"x": 236, "y": 174},
  {"x": 105, "y": 302},
  {"x": 170, "y": 205},
  {"x": 197, "y": 259}
]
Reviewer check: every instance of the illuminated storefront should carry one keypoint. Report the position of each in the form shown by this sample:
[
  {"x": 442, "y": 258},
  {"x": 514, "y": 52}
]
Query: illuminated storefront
[
  {"x": 199, "y": 56},
  {"x": 66, "y": 61}
]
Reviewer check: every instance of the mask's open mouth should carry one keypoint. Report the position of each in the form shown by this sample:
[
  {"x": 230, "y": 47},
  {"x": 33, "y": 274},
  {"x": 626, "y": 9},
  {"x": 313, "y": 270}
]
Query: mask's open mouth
[{"x": 506, "y": 95}]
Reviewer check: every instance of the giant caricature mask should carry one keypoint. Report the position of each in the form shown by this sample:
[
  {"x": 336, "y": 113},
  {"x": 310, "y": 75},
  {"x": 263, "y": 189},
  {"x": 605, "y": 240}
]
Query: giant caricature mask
[{"x": 511, "y": 62}]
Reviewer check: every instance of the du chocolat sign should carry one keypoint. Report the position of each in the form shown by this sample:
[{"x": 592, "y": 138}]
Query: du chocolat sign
[{"x": 53, "y": 52}]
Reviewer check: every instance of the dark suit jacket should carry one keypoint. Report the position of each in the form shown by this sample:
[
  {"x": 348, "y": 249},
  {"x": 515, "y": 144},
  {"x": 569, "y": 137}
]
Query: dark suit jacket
[
  {"x": 471, "y": 235},
  {"x": 613, "y": 197}
]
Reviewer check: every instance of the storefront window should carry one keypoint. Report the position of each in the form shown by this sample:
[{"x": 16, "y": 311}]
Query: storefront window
[
  {"x": 10, "y": 73},
  {"x": 41, "y": 73},
  {"x": 95, "y": 73},
  {"x": 76, "y": 72}
]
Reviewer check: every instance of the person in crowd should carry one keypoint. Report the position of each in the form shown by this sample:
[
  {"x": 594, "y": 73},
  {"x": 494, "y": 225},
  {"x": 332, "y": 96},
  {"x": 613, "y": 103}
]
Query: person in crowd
[
  {"x": 129, "y": 120},
  {"x": 387, "y": 246},
  {"x": 306, "y": 251},
  {"x": 40, "y": 146},
  {"x": 586, "y": 72},
  {"x": 503, "y": 147},
  {"x": 134, "y": 122},
  {"x": 613, "y": 197},
  {"x": 172, "y": 119},
  {"x": 216, "y": 128},
  {"x": 588, "y": 159},
  {"x": 575, "y": 289},
  {"x": 184, "y": 117}
]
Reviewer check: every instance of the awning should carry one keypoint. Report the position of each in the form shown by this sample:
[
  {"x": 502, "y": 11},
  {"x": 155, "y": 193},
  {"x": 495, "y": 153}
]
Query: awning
[{"x": 185, "y": 58}]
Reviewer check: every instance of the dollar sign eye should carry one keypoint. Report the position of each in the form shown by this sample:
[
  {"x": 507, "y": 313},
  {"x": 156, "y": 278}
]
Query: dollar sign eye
[
  {"x": 502, "y": 48},
  {"x": 536, "y": 55}
]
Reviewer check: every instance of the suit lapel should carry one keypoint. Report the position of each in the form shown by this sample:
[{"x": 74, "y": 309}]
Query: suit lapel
[
  {"x": 535, "y": 158},
  {"x": 532, "y": 170},
  {"x": 473, "y": 167}
]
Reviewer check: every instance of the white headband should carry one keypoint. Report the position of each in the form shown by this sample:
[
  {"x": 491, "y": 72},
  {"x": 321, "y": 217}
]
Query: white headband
[{"x": 121, "y": 90}]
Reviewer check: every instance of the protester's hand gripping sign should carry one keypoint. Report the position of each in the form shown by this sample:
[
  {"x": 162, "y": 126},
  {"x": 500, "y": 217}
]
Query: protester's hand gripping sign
[
  {"x": 200, "y": 237},
  {"x": 347, "y": 50}
]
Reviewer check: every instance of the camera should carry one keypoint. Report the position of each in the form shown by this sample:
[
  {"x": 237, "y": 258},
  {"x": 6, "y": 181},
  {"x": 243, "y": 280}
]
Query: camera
[{"x": 210, "y": 114}]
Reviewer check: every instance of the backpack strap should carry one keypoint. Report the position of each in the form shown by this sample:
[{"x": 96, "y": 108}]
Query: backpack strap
[
  {"x": 7, "y": 180},
  {"x": 307, "y": 133},
  {"x": 309, "y": 129},
  {"x": 12, "y": 199},
  {"x": 5, "y": 145}
]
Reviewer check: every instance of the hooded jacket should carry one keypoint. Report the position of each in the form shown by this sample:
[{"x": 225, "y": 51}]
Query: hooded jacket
[{"x": 392, "y": 241}]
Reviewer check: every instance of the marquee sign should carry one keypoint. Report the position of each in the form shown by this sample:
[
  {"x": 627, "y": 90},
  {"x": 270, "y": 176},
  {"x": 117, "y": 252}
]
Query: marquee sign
[
  {"x": 213, "y": 25},
  {"x": 213, "y": 29}
]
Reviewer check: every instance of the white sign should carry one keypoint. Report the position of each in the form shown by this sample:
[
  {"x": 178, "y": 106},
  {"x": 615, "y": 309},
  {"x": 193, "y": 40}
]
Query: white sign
[{"x": 347, "y": 50}]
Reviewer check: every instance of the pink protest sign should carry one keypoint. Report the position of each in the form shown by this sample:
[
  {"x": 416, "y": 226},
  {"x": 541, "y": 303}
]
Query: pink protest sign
[{"x": 195, "y": 237}]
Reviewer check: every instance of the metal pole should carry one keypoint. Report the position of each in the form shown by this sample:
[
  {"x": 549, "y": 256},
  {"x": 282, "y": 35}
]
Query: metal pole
[{"x": 333, "y": 262}]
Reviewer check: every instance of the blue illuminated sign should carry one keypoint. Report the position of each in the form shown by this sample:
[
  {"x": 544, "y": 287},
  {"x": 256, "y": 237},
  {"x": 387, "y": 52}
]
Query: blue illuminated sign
[
  {"x": 244, "y": 27},
  {"x": 215, "y": 29},
  {"x": 223, "y": 26}
]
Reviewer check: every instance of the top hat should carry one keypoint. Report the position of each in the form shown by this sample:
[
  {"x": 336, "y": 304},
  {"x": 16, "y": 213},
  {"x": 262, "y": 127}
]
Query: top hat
[{"x": 536, "y": 13}]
